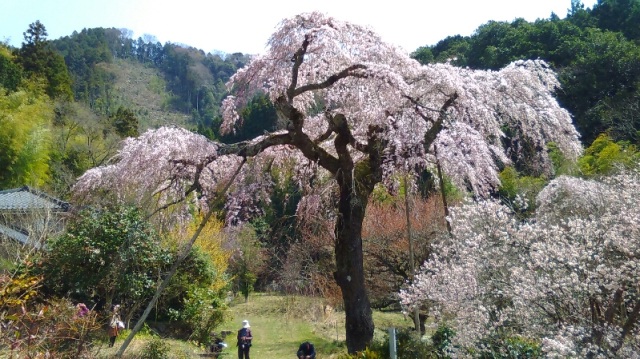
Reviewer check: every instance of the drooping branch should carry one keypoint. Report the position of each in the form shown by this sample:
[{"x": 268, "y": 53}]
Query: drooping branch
[
  {"x": 418, "y": 107},
  {"x": 195, "y": 186},
  {"x": 298, "y": 59},
  {"x": 435, "y": 129}
]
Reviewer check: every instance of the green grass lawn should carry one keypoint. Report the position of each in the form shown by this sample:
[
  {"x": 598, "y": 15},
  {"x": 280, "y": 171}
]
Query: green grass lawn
[{"x": 278, "y": 323}]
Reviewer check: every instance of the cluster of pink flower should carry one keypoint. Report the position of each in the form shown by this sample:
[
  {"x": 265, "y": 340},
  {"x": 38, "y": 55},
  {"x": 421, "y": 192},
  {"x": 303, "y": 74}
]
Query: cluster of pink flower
[{"x": 353, "y": 110}]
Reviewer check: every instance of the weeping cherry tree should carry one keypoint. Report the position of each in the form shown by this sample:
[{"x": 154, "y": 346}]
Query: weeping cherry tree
[{"x": 352, "y": 110}]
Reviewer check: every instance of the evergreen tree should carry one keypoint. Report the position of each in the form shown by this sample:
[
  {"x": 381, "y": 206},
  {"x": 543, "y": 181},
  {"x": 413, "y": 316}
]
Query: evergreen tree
[
  {"x": 39, "y": 60},
  {"x": 125, "y": 122},
  {"x": 10, "y": 72}
]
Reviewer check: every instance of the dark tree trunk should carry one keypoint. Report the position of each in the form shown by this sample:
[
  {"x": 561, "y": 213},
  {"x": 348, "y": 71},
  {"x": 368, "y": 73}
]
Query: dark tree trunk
[
  {"x": 356, "y": 182},
  {"x": 349, "y": 262}
]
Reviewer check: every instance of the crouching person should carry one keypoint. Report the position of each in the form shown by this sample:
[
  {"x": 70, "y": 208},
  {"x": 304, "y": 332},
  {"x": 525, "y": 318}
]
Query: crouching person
[{"x": 306, "y": 351}]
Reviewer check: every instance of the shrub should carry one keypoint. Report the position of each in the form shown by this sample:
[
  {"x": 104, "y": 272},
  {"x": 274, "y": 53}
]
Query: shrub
[
  {"x": 34, "y": 328},
  {"x": 202, "y": 312},
  {"x": 115, "y": 254},
  {"x": 511, "y": 347},
  {"x": 410, "y": 346},
  {"x": 441, "y": 339},
  {"x": 194, "y": 300},
  {"x": 366, "y": 354},
  {"x": 155, "y": 349},
  {"x": 605, "y": 157}
]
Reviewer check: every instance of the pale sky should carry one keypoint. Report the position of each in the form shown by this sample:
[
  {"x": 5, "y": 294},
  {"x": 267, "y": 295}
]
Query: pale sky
[{"x": 245, "y": 25}]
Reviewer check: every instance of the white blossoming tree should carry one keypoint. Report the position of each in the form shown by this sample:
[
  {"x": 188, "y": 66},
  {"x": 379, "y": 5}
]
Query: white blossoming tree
[
  {"x": 353, "y": 110},
  {"x": 567, "y": 277}
]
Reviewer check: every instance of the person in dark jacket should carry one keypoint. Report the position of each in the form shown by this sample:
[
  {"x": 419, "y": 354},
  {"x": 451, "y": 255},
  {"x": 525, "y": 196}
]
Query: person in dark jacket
[
  {"x": 306, "y": 351},
  {"x": 217, "y": 344},
  {"x": 244, "y": 340}
]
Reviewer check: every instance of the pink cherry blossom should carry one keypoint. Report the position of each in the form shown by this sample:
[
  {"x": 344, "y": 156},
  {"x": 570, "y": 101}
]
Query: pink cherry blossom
[{"x": 353, "y": 110}]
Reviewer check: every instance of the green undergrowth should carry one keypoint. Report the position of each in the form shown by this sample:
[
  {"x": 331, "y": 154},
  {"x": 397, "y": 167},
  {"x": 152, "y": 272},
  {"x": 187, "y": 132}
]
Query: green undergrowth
[{"x": 177, "y": 349}]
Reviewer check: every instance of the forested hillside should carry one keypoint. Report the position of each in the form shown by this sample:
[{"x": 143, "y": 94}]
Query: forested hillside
[
  {"x": 596, "y": 53},
  {"x": 102, "y": 62},
  {"x": 111, "y": 87}
]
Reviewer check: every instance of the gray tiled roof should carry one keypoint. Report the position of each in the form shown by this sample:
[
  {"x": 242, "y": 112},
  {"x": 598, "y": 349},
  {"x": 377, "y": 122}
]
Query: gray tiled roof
[
  {"x": 14, "y": 234},
  {"x": 27, "y": 199}
]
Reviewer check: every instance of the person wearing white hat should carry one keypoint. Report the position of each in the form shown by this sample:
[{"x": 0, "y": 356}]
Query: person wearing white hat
[{"x": 244, "y": 340}]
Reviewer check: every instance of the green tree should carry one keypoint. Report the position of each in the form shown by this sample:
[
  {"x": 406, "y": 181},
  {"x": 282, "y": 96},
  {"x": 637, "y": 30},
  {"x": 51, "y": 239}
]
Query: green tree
[
  {"x": 606, "y": 157},
  {"x": 594, "y": 52},
  {"x": 495, "y": 44},
  {"x": 113, "y": 256},
  {"x": 423, "y": 54},
  {"x": 125, "y": 122},
  {"x": 452, "y": 48},
  {"x": 10, "y": 72},
  {"x": 85, "y": 54},
  {"x": 38, "y": 59},
  {"x": 247, "y": 262},
  {"x": 25, "y": 137},
  {"x": 605, "y": 71},
  {"x": 81, "y": 140},
  {"x": 35, "y": 44},
  {"x": 259, "y": 116},
  {"x": 619, "y": 16},
  {"x": 578, "y": 16}
]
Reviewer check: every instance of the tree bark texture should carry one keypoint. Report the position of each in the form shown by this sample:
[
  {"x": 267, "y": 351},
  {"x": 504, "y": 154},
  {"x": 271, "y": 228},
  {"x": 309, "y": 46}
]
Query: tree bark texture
[{"x": 349, "y": 261}]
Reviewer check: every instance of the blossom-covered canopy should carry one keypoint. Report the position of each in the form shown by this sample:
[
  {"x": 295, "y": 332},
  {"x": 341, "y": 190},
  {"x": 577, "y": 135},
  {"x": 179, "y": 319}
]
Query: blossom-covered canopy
[
  {"x": 327, "y": 76},
  {"x": 353, "y": 110}
]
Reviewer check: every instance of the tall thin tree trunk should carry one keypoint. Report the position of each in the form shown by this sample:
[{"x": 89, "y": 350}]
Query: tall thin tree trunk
[
  {"x": 174, "y": 268},
  {"x": 407, "y": 212},
  {"x": 442, "y": 189},
  {"x": 165, "y": 282}
]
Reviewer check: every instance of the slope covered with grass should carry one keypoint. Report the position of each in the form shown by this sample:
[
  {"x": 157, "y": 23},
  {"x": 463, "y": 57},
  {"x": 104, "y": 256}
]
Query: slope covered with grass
[
  {"x": 143, "y": 89},
  {"x": 280, "y": 323}
]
